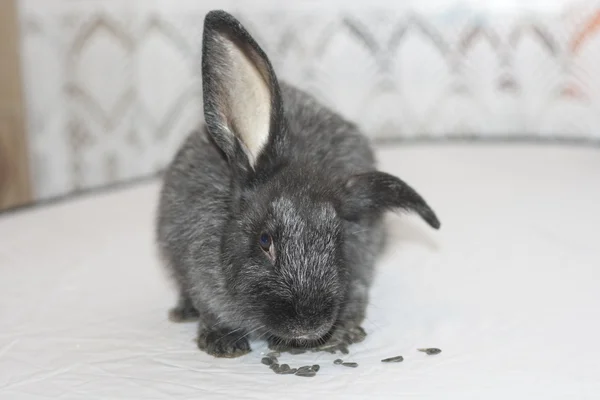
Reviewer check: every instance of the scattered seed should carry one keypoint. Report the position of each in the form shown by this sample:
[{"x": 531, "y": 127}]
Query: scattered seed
[
  {"x": 431, "y": 351},
  {"x": 289, "y": 371},
  {"x": 267, "y": 361},
  {"x": 304, "y": 368},
  {"x": 338, "y": 361},
  {"x": 344, "y": 350},
  {"x": 274, "y": 367},
  {"x": 393, "y": 359},
  {"x": 350, "y": 364},
  {"x": 283, "y": 368},
  {"x": 273, "y": 354},
  {"x": 316, "y": 368},
  {"x": 297, "y": 351},
  {"x": 309, "y": 373}
]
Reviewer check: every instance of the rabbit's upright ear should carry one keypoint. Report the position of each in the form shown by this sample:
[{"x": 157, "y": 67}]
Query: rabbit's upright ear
[
  {"x": 242, "y": 98},
  {"x": 375, "y": 192}
]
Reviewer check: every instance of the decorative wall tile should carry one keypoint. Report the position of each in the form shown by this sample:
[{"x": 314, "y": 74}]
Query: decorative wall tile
[{"x": 113, "y": 87}]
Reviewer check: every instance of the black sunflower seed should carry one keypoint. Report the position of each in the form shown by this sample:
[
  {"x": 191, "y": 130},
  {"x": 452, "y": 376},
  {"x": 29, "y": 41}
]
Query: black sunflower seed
[
  {"x": 393, "y": 359},
  {"x": 350, "y": 364},
  {"x": 283, "y": 368},
  {"x": 297, "y": 351},
  {"x": 289, "y": 371},
  {"x": 309, "y": 373},
  {"x": 431, "y": 351},
  {"x": 267, "y": 361}
]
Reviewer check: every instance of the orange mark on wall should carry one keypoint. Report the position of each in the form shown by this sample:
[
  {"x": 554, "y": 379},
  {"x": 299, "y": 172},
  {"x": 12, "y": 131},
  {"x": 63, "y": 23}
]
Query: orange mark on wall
[
  {"x": 588, "y": 30},
  {"x": 572, "y": 91}
]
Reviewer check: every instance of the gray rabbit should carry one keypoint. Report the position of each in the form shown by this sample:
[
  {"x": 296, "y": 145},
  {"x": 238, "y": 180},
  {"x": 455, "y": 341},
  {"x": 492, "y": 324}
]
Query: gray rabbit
[{"x": 271, "y": 216}]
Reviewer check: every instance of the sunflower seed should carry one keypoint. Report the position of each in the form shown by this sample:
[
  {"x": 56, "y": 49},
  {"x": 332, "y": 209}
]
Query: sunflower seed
[
  {"x": 309, "y": 373},
  {"x": 350, "y": 364},
  {"x": 274, "y": 367},
  {"x": 338, "y": 361},
  {"x": 304, "y": 368},
  {"x": 344, "y": 350},
  {"x": 297, "y": 351},
  {"x": 267, "y": 361},
  {"x": 283, "y": 368},
  {"x": 273, "y": 354},
  {"x": 316, "y": 368},
  {"x": 289, "y": 371},
  {"x": 431, "y": 351},
  {"x": 393, "y": 359}
]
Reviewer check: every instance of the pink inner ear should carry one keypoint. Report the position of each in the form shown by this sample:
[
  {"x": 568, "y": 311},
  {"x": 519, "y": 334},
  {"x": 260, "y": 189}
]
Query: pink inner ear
[{"x": 247, "y": 97}]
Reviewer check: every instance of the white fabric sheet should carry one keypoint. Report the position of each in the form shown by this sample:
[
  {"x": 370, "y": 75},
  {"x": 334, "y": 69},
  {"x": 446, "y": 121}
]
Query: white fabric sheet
[{"x": 509, "y": 289}]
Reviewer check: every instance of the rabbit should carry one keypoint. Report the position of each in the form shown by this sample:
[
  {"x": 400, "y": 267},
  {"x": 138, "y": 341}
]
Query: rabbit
[{"x": 270, "y": 216}]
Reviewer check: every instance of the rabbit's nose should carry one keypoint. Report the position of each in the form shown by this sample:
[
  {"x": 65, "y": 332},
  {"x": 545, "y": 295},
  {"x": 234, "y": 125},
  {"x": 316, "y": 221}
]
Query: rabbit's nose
[{"x": 313, "y": 333}]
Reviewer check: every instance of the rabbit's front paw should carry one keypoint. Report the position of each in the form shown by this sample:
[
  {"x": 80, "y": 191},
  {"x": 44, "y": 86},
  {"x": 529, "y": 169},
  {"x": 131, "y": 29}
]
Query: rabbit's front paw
[
  {"x": 184, "y": 311},
  {"x": 223, "y": 343}
]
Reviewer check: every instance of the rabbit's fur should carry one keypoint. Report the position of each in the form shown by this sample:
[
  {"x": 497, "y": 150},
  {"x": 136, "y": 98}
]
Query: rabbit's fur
[{"x": 271, "y": 216}]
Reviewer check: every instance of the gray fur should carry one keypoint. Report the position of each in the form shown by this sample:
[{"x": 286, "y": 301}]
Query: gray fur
[{"x": 315, "y": 189}]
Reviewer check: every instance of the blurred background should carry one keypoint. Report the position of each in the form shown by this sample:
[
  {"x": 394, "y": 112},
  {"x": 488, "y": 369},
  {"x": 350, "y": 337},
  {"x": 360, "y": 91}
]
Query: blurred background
[{"x": 99, "y": 92}]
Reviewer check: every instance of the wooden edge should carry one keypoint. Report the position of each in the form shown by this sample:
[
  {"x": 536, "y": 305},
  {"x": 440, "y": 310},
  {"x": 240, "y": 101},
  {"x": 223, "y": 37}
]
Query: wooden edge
[{"x": 15, "y": 183}]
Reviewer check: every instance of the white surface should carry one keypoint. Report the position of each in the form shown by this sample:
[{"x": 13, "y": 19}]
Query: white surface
[{"x": 508, "y": 289}]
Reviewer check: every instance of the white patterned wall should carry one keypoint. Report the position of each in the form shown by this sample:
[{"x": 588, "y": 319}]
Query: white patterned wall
[{"x": 112, "y": 86}]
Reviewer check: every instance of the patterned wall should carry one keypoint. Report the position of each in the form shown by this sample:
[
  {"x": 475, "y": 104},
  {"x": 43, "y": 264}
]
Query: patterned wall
[{"x": 112, "y": 86}]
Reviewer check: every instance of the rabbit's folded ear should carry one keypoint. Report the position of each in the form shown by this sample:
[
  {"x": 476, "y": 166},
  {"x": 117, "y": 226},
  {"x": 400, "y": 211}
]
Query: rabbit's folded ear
[
  {"x": 242, "y": 98},
  {"x": 375, "y": 192}
]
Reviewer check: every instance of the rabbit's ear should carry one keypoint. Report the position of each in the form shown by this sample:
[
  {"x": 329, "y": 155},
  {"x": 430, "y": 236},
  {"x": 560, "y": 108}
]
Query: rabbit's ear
[
  {"x": 375, "y": 192},
  {"x": 242, "y": 98}
]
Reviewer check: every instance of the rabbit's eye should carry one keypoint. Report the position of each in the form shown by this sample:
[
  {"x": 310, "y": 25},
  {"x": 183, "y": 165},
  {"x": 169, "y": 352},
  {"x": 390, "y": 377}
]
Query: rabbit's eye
[{"x": 265, "y": 241}]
